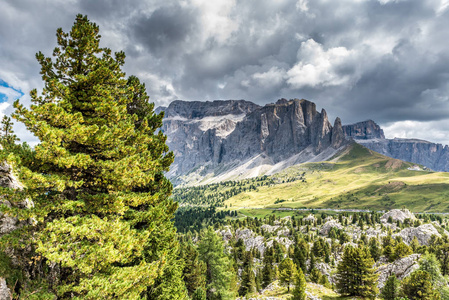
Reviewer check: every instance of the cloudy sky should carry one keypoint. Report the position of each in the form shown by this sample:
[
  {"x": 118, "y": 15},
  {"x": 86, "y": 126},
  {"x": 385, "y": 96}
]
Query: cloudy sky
[{"x": 386, "y": 60}]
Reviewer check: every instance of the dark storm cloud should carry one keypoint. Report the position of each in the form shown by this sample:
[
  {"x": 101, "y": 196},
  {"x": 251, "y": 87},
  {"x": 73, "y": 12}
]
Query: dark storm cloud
[
  {"x": 165, "y": 30},
  {"x": 385, "y": 60}
]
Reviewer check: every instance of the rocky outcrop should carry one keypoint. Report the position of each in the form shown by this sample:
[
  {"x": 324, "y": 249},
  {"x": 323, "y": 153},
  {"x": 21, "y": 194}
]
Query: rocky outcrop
[
  {"x": 401, "y": 268},
  {"x": 8, "y": 180},
  {"x": 5, "y": 293},
  {"x": 328, "y": 226},
  {"x": 364, "y": 130},
  {"x": 369, "y": 134},
  {"x": 220, "y": 137},
  {"x": 397, "y": 215},
  {"x": 338, "y": 134},
  {"x": 309, "y": 218},
  {"x": 433, "y": 156},
  {"x": 422, "y": 233}
]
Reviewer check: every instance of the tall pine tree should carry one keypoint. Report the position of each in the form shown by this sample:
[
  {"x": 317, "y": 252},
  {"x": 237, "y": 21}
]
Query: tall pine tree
[
  {"x": 355, "y": 273},
  {"x": 97, "y": 180}
]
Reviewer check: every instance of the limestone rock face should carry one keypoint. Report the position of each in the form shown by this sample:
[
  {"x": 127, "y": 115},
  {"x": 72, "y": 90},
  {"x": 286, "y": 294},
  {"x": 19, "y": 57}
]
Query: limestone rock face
[
  {"x": 329, "y": 225},
  {"x": 310, "y": 218},
  {"x": 364, "y": 130},
  {"x": 8, "y": 180},
  {"x": 212, "y": 138},
  {"x": 5, "y": 293},
  {"x": 397, "y": 215},
  {"x": 338, "y": 135},
  {"x": 422, "y": 233},
  {"x": 369, "y": 134},
  {"x": 401, "y": 268}
]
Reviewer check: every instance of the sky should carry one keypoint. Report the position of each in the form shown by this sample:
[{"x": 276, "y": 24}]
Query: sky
[{"x": 385, "y": 60}]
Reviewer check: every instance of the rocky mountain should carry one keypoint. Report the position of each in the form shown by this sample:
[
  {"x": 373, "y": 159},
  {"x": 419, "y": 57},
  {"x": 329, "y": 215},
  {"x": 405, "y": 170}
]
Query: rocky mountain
[
  {"x": 369, "y": 134},
  {"x": 223, "y": 140},
  {"x": 364, "y": 130}
]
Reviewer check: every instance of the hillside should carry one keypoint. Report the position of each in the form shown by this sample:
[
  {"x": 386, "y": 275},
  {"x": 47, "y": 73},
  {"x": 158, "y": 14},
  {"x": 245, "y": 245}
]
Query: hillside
[{"x": 358, "y": 178}]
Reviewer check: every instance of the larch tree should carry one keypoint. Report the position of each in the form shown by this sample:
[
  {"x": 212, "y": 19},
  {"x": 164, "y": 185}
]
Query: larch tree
[
  {"x": 218, "y": 266},
  {"x": 97, "y": 179},
  {"x": 355, "y": 273},
  {"x": 287, "y": 272},
  {"x": 299, "y": 292}
]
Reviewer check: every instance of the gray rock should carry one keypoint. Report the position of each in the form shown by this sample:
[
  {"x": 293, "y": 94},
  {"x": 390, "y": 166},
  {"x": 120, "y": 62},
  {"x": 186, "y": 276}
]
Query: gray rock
[
  {"x": 215, "y": 138},
  {"x": 401, "y": 268},
  {"x": 328, "y": 225},
  {"x": 269, "y": 228},
  {"x": 251, "y": 240},
  {"x": 432, "y": 155},
  {"x": 284, "y": 232},
  {"x": 364, "y": 130},
  {"x": 397, "y": 215},
  {"x": 226, "y": 234},
  {"x": 310, "y": 218},
  {"x": 422, "y": 233},
  {"x": 5, "y": 293},
  {"x": 325, "y": 269}
]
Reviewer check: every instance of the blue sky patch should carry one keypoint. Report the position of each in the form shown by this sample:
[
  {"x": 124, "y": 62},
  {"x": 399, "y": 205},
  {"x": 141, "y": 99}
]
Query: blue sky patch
[{"x": 7, "y": 91}]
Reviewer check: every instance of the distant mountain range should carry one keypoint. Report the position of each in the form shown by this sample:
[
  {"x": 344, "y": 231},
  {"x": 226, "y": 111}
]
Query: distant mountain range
[
  {"x": 235, "y": 139},
  {"x": 369, "y": 134}
]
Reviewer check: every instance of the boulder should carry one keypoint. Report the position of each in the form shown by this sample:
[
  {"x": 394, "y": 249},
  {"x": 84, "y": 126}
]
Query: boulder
[
  {"x": 328, "y": 225},
  {"x": 284, "y": 231},
  {"x": 326, "y": 270},
  {"x": 401, "y": 268},
  {"x": 269, "y": 228},
  {"x": 226, "y": 234},
  {"x": 422, "y": 233},
  {"x": 310, "y": 218},
  {"x": 250, "y": 239},
  {"x": 397, "y": 215},
  {"x": 5, "y": 293}
]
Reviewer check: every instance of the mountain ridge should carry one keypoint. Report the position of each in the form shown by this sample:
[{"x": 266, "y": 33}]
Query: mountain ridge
[
  {"x": 235, "y": 139},
  {"x": 214, "y": 138}
]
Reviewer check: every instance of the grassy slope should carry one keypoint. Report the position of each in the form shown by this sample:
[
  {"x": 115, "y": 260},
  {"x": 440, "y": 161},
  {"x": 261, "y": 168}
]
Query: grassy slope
[{"x": 360, "y": 179}]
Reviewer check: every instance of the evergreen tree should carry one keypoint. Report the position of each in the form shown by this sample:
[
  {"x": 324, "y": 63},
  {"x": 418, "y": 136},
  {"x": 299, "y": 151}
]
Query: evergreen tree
[
  {"x": 312, "y": 262},
  {"x": 374, "y": 249},
  {"x": 402, "y": 250},
  {"x": 287, "y": 272},
  {"x": 419, "y": 286},
  {"x": 355, "y": 273},
  {"x": 7, "y": 137},
  {"x": 218, "y": 273},
  {"x": 299, "y": 258},
  {"x": 267, "y": 273},
  {"x": 430, "y": 264},
  {"x": 194, "y": 272},
  {"x": 299, "y": 292},
  {"x": 97, "y": 181},
  {"x": 391, "y": 289},
  {"x": 315, "y": 275},
  {"x": 199, "y": 294},
  {"x": 248, "y": 282}
]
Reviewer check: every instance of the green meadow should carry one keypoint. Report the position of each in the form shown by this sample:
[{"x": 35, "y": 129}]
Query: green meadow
[{"x": 357, "y": 179}]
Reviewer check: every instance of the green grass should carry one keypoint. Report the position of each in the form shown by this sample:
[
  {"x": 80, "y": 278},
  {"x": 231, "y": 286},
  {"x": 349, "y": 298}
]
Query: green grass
[{"x": 359, "y": 179}]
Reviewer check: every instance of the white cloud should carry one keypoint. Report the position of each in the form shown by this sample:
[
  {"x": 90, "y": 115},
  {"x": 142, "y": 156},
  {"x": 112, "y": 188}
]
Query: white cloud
[
  {"x": 10, "y": 93},
  {"x": 3, "y": 107},
  {"x": 317, "y": 66},
  {"x": 272, "y": 77},
  {"x": 215, "y": 19},
  {"x": 432, "y": 131}
]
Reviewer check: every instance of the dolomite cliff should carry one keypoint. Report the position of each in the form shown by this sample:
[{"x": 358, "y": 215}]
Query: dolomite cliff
[
  {"x": 223, "y": 140},
  {"x": 369, "y": 134}
]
